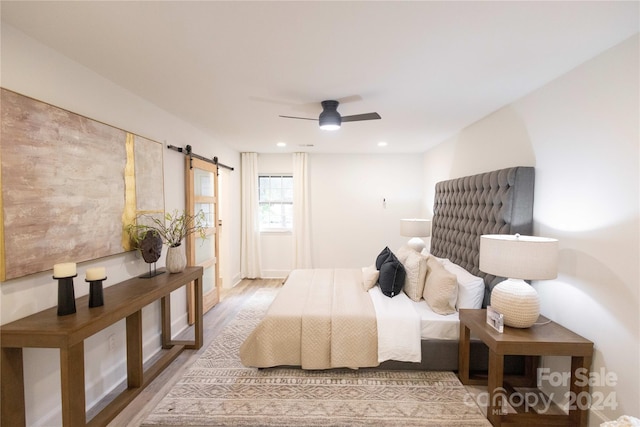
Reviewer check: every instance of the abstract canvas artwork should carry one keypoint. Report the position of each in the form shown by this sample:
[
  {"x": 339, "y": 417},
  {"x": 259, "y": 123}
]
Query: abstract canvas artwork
[{"x": 65, "y": 189}]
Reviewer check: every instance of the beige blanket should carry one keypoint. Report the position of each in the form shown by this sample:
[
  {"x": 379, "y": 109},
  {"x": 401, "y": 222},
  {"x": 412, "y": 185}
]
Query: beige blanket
[{"x": 321, "y": 319}]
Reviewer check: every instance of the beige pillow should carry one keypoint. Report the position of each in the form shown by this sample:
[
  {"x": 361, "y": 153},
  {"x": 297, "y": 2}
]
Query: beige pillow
[
  {"x": 415, "y": 266},
  {"x": 369, "y": 277},
  {"x": 441, "y": 288},
  {"x": 403, "y": 252}
]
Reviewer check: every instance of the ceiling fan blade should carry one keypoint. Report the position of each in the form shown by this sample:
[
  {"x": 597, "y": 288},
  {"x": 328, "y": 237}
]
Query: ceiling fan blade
[
  {"x": 301, "y": 118},
  {"x": 358, "y": 117},
  {"x": 350, "y": 98}
]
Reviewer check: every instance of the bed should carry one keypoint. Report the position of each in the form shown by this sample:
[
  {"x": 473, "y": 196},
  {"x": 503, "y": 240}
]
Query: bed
[{"x": 324, "y": 318}]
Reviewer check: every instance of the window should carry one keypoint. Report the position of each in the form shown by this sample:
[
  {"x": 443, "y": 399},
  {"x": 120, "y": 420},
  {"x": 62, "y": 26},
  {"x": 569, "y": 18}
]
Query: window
[{"x": 276, "y": 202}]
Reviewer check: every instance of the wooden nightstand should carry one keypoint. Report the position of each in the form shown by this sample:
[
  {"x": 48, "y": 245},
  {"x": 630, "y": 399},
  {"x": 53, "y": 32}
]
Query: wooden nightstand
[{"x": 547, "y": 339}]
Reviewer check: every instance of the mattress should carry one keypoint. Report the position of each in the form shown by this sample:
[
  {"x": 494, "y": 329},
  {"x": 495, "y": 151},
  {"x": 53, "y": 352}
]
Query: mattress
[{"x": 434, "y": 326}]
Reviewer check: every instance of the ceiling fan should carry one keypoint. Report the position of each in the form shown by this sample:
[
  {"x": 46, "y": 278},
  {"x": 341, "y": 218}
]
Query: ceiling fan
[{"x": 330, "y": 119}]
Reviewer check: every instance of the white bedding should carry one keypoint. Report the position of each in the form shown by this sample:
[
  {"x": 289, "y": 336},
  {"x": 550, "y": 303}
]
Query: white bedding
[
  {"x": 394, "y": 327},
  {"x": 434, "y": 326},
  {"x": 402, "y": 323},
  {"x": 398, "y": 327}
]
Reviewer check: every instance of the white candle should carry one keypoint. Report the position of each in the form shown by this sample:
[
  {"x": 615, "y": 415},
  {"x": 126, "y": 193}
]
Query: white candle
[
  {"x": 96, "y": 273},
  {"x": 65, "y": 269}
]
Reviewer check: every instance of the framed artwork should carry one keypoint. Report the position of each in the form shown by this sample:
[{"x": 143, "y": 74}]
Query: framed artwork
[{"x": 69, "y": 185}]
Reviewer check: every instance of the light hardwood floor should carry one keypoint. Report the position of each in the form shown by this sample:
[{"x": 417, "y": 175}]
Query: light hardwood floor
[{"x": 214, "y": 321}]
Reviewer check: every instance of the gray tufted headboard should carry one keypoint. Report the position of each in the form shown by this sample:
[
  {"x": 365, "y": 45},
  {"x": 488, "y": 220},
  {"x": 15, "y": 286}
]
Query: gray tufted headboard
[{"x": 498, "y": 202}]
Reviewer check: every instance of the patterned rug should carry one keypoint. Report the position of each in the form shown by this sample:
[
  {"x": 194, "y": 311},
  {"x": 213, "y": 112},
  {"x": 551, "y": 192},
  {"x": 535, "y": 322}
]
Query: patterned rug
[{"x": 217, "y": 390}]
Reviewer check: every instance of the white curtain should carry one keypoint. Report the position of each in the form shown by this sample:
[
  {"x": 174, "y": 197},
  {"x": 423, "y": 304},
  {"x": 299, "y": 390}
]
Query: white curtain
[
  {"x": 250, "y": 225},
  {"x": 301, "y": 216}
]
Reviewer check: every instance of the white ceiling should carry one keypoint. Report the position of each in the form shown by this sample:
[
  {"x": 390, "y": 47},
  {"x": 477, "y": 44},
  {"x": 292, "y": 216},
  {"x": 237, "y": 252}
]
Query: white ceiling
[{"x": 230, "y": 68}]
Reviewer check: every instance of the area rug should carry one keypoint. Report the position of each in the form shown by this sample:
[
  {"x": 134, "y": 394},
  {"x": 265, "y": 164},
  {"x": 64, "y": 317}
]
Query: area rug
[{"x": 217, "y": 390}]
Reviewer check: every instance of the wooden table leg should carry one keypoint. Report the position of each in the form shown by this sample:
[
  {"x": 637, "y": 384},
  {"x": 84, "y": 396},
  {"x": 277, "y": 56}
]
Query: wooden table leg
[
  {"x": 165, "y": 306},
  {"x": 532, "y": 363},
  {"x": 579, "y": 394},
  {"x": 199, "y": 329},
  {"x": 464, "y": 350},
  {"x": 72, "y": 385},
  {"x": 495, "y": 388},
  {"x": 134, "y": 350},
  {"x": 12, "y": 388}
]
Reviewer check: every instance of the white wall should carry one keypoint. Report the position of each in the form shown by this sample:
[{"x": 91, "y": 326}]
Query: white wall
[
  {"x": 32, "y": 69},
  {"x": 350, "y": 222},
  {"x": 581, "y": 133}
]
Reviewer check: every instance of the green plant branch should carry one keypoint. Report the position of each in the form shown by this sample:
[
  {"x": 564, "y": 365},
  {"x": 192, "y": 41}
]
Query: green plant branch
[{"x": 173, "y": 228}]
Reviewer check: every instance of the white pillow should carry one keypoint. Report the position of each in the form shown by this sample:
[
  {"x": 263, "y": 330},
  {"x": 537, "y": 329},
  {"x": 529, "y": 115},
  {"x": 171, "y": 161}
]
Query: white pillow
[
  {"x": 369, "y": 277},
  {"x": 470, "y": 287}
]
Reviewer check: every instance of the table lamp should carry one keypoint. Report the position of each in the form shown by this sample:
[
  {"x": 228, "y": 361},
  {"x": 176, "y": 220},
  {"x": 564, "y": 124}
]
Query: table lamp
[
  {"x": 518, "y": 258},
  {"x": 415, "y": 228}
]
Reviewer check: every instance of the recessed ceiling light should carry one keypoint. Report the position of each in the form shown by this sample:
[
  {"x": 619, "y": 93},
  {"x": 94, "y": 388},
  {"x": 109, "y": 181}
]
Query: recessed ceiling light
[
  {"x": 382, "y": 144},
  {"x": 281, "y": 144}
]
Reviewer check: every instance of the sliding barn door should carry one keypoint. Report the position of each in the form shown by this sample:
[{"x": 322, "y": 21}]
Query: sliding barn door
[{"x": 202, "y": 195}]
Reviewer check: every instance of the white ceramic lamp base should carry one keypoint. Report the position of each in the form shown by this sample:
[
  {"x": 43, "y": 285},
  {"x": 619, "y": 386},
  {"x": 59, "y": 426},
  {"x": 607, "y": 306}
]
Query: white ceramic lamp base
[
  {"x": 417, "y": 244},
  {"x": 517, "y": 301}
]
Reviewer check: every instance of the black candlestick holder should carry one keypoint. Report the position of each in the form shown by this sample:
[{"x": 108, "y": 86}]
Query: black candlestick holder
[
  {"x": 96, "y": 298},
  {"x": 66, "y": 295}
]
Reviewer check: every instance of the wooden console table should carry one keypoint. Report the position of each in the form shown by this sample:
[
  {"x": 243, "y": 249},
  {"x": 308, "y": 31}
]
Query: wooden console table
[
  {"x": 549, "y": 339},
  {"x": 48, "y": 330}
]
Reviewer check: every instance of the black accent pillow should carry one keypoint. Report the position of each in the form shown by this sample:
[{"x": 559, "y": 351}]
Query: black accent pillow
[
  {"x": 392, "y": 275},
  {"x": 382, "y": 257}
]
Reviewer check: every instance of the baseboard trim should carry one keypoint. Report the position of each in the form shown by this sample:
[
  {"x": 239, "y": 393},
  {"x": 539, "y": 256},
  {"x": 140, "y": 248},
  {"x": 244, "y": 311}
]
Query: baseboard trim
[
  {"x": 236, "y": 279},
  {"x": 275, "y": 274}
]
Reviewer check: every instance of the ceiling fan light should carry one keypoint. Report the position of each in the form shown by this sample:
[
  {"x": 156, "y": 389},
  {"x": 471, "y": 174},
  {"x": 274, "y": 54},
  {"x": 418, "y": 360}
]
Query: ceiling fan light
[
  {"x": 329, "y": 127},
  {"x": 330, "y": 120}
]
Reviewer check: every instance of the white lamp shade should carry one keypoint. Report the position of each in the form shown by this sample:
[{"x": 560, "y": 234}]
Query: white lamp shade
[
  {"x": 415, "y": 227},
  {"x": 519, "y": 257}
]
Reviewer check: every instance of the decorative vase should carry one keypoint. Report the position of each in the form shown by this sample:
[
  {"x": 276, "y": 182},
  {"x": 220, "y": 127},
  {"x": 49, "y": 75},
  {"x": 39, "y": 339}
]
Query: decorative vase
[{"x": 176, "y": 259}]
